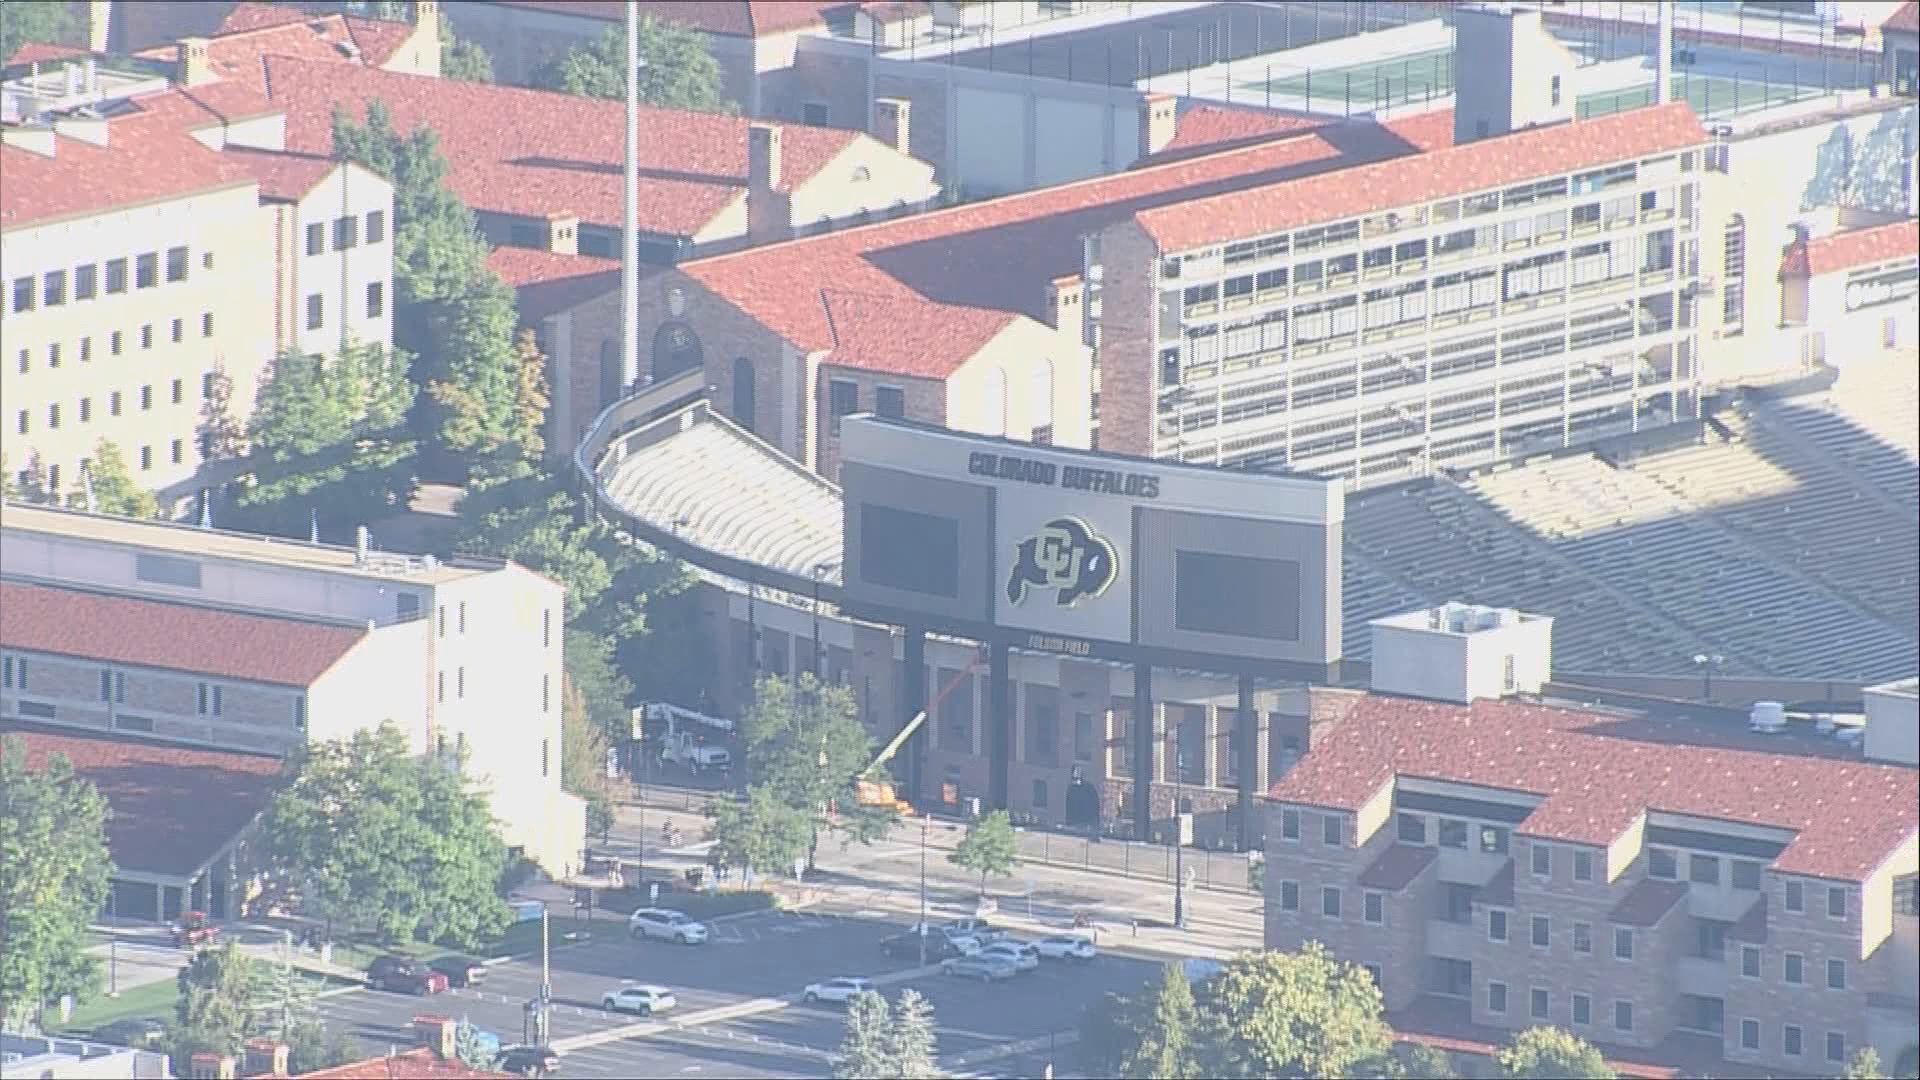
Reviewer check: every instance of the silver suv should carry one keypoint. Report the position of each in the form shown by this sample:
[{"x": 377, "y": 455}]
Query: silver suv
[{"x": 666, "y": 925}]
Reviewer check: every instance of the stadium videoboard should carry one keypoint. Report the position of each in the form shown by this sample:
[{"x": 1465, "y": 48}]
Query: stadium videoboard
[{"x": 1091, "y": 554}]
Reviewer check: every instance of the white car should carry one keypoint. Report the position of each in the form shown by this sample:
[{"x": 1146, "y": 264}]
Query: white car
[
  {"x": 639, "y": 999},
  {"x": 838, "y": 990},
  {"x": 1065, "y": 947},
  {"x": 667, "y": 925},
  {"x": 1021, "y": 955}
]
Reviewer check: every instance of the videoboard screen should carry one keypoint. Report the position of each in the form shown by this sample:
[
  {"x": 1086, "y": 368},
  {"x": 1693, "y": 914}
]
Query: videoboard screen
[{"x": 1090, "y": 554}]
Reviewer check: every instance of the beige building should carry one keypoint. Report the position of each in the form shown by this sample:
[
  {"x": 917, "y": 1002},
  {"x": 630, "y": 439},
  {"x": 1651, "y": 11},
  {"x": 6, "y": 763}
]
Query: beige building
[
  {"x": 463, "y": 656},
  {"x": 1635, "y": 879}
]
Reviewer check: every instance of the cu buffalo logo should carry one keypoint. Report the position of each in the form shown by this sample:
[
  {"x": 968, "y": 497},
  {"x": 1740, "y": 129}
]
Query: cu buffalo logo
[{"x": 1065, "y": 556}]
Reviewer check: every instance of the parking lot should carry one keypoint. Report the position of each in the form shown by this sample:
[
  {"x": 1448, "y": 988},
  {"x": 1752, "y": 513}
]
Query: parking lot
[{"x": 738, "y": 1012}]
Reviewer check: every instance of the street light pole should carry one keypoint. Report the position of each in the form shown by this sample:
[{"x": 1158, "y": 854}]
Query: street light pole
[
  {"x": 1179, "y": 861},
  {"x": 926, "y": 823},
  {"x": 113, "y": 963}
]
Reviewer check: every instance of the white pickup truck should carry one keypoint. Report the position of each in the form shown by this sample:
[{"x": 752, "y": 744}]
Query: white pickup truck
[{"x": 678, "y": 745}]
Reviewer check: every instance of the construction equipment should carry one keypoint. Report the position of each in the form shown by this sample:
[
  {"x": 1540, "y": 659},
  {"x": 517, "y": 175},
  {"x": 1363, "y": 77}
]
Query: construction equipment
[
  {"x": 872, "y": 788},
  {"x": 195, "y": 930}
]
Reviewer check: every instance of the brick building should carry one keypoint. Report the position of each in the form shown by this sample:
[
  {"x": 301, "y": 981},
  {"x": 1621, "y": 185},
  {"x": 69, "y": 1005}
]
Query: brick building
[{"x": 1658, "y": 884}]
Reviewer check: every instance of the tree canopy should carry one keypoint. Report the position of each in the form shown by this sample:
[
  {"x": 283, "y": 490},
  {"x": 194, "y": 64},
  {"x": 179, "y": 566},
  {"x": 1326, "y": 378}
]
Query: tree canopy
[
  {"x": 218, "y": 988},
  {"x": 49, "y": 23},
  {"x": 114, "y": 491},
  {"x": 988, "y": 848},
  {"x": 1276, "y": 1013},
  {"x": 760, "y": 832},
  {"x": 1166, "y": 1049},
  {"x": 677, "y": 70},
  {"x": 1549, "y": 1053},
  {"x": 805, "y": 742},
  {"x": 53, "y": 843},
  {"x": 885, "y": 1042},
  {"x": 370, "y": 835}
]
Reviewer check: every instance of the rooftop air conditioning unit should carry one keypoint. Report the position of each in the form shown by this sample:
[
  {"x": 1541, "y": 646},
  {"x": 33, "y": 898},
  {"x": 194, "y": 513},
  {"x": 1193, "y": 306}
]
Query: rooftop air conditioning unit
[{"x": 1767, "y": 717}]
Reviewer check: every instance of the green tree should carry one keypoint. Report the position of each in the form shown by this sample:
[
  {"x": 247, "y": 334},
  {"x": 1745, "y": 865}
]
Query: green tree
[
  {"x": 911, "y": 1040},
  {"x": 218, "y": 991},
  {"x": 1548, "y": 1053},
  {"x": 1304, "y": 1013},
  {"x": 41, "y": 21},
  {"x": 527, "y": 424},
  {"x": 1426, "y": 1063},
  {"x": 470, "y": 1050},
  {"x": 672, "y": 659},
  {"x": 8, "y": 492},
  {"x": 677, "y": 71},
  {"x": 463, "y": 60},
  {"x": 1863, "y": 1065},
  {"x": 583, "y": 756},
  {"x": 866, "y": 1048},
  {"x": 113, "y": 488},
  {"x": 476, "y": 374},
  {"x": 329, "y": 440},
  {"x": 760, "y": 833},
  {"x": 988, "y": 848},
  {"x": 313, "y": 1045},
  {"x": 32, "y": 485},
  {"x": 1166, "y": 1047},
  {"x": 805, "y": 742},
  {"x": 53, "y": 844},
  {"x": 604, "y": 691},
  {"x": 1110, "y": 1033},
  {"x": 366, "y": 833},
  {"x": 221, "y": 433}
]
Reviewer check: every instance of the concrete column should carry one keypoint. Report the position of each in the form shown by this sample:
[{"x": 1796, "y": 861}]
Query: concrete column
[
  {"x": 1245, "y": 735},
  {"x": 913, "y": 698},
  {"x": 1143, "y": 751},
  {"x": 999, "y": 717}
]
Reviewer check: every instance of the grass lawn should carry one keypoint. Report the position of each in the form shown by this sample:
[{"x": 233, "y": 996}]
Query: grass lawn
[{"x": 148, "y": 999}]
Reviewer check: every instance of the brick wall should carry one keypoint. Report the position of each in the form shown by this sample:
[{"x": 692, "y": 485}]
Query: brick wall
[
  {"x": 252, "y": 716},
  {"x": 926, "y": 402},
  {"x": 927, "y": 135},
  {"x": 1127, "y": 345},
  {"x": 823, "y": 78}
]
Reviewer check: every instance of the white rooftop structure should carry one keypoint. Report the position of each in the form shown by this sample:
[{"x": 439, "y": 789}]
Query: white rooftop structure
[{"x": 1460, "y": 652}]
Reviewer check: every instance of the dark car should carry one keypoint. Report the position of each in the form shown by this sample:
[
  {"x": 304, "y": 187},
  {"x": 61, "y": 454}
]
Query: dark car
[
  {"x": 529, "y": 1061},
  {"x": 139, "y": 1032},
  {"x": 460, "y": 971},
  {"x": 907, "y": 946},
  {"x": 399, "y": 975}
]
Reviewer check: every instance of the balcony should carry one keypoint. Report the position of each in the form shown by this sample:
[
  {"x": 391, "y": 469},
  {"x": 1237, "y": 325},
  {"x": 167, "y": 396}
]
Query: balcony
[
  {"x": 1701, "y": 976},
  {"x": 1452, "y": 940}
]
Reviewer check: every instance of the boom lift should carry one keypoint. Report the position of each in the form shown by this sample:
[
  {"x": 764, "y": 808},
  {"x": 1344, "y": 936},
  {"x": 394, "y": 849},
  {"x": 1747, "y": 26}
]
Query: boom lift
[{"x": 871, "y": 787}]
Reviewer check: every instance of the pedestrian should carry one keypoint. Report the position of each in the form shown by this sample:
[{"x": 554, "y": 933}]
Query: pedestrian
[{"x": 1136, "y": 925}]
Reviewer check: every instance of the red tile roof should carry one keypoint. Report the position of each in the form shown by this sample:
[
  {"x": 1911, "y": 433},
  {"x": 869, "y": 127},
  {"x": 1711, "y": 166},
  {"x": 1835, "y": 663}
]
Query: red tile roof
[
  {"x": 999, "y": 255},
  {"x": 165, "y": 818},
  {"x": 531, "y": 153},
  {"x": 1206, "y": 128},
  {"x": 235, "y": 50},
  {"x": 887, "y": 12},
  {"x": 1396, "y": 868},
  {"x": 249, "y": 15},
  {"x": 548, "y": 282},
  {"x": 732, "y": 18},
  {"x": 419, "y": 1063},
  {"x": 1906, "y": 19},
  {"x": 1597, "y": 773},
  {"x": 282, "y": 176},
  {"x": 175, "y": 637},
  {"x": 904, "y": 336},
  {"x": 147, "y": 159},
  {"x": 1476, "y": 166},
  {"x": 43, "y": 52},
  {"x": 1647, "y": 902},
  {"x": 1855, "y": 248}
]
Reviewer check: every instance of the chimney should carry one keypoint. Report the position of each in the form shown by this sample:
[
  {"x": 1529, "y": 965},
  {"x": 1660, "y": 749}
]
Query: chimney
[
  {"x": 1158, "y": 114},
  {"x": 892, "y": 119},
  {"x": 265, "y": 1057},
  {"x": 99, "y": 23},
  {"x": 436, "y": 1033},
  {"x": 1064, "y": 297},
  {"x": 1521, "y": 76},
  {"x": 209, "y": 1066},
  {"x": 1663, "y": 57},
  {"x": 769, "y": 207},
  {"x": 563, "y": 234},
  {"x": 192, "y": 66}
]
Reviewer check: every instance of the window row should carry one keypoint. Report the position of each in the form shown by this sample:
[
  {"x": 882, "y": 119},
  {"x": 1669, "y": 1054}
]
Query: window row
[
  {"x": 116, "y": 344},
  {"x": 376, "y": 305},
  {"x": 1540, "y": 1006},
  {"x": 56, "y": 288},
  {"x": 1792, "y": 1040},
  {"x": 346, "y": 232}
]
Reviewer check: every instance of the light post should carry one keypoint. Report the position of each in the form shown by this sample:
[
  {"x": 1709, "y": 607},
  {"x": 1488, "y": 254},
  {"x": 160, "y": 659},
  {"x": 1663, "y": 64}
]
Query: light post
[
  {"x": 113, "y": 965},
  {"x": 926, "y": 823},
  {"x": 1179, "y": 862},
  {"x": 1706, "y": 662}
]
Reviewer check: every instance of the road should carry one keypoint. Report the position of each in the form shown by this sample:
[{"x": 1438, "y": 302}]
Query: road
[{"x": 739, "y": 1013}]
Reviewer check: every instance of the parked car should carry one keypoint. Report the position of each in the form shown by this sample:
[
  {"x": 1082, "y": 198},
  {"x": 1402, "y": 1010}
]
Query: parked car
[
  {"x": 972, "y": 927},
  {"x": 460, "y": 971},
  {"x": 399, "y": 975},
  {"x": 838, "y": 990},
  {"x": 638, "y": 998},
  {"x": 984, "y": 968},
  {"x": 1066, "y": 947},
  {"x": 907, "y": 946},
  {"x": 529, "y": 1061},
  {"x": 667, "y": 925},
  {"x": 1021, "y": 955},
  {"x": 139, "y": 1032}
]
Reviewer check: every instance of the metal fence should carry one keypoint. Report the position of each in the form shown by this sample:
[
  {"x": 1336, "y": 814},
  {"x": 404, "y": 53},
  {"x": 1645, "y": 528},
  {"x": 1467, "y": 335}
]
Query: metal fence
[{"x": 1207, "y": 869}]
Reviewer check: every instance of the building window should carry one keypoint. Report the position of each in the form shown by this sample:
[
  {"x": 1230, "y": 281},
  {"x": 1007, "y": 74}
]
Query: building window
[
  {"x": 1583, "y": 938},
  {"x": 116, "y": 275},
  {"x": 53, "y": 288},
  {"x": 1623, "y": 1015},
  {"x": 376, "y": 226},
  {"x": 86, "y": 409},
  {"x": 1413, "y": 828},
  {"x": 546, "y": 749},
  {"x": 376, "y": 299},
  {"x": 1453, "y": 833},
  {"x": 1745, "y": 874},
  {"x": 1749, "y": 1034},
  {"x": 1622, "y": 943},
  {"x": 1332, "y": 830},
  {"x": 1583, "y": 866},
  {"x": 1554, "y": 89},
  {"x": 21, "y": 422},
  {"x": 890, "y": 401},
  {"x": 146, "y": 458},
  {"x": 843, "y": 399},
  {"x": 1790, "y": 1040},
  {"x": 1082, "y": 736},
  {"x": 12, "y": 669},
  {"x": 1542, "y": 932},
  {"x": 1750, "y": 961},
  {"x": 1373, "y": 908},
  {"x": 460, "y": 682},
  {"x": 146, "y": 336},
  {"x": 1662, "y": 864},
  {"x": 1795, "y": 901},
  {"x": 22, "y": 294},
  {"x": 1039, "y": 794},
  {"x": 1375, "y": 974},
  {"x": 53, "y": 416},
  {"x": 546, "y": 693},
  {"x": 176, "y": 264},
  {"x": 317, "y": 238},
  {"x": 1493, "y": 840},
  {"x": 743, "y": 402},
  {"x": 113, "y": 403},
  {"x": 146, "y": 271},
  {"x": 1790, "y": 969},
  {"x": 440, "y": 687},
  {"x": 1540, "y": 1003},
  {"x": 546, "y": 628},
  {"x": 814, "y": 113},
  {"x": 440, "y": 620},
  {"x": 1289, "y": 890},
  {"x": 1836, "y": 1046},
  {"x": 463, "y": 616},
  {"x": 1542, "y": 856},
  {"x": 206, "y": 260},
  {"x": 1837, "y": 902},
  {"x": 1289, "y": 819},
  {"x": 206, "y": 324},
  {"x": 115, "y": 341},
  {"x": 179, "y": 391},
  {"x": 1582, "y": 1009},
  {"x": 346, "y": 232},
  {"x": 1330, "y": 902},
  {"x": 1496, "y": 925},
  {"x": 106, "y": 685},
  {"x": 209, "y": 699},
  {"x": 178, "y": 329},
  {"x": 316, "y": 312},
  {"x": 1496, "y": 997},
  {"x": 86, "y": 282},
  {"x": 53, "y": 355},
  {"x": 1704, "y": 870},
  {"x": 300, "y": 713},
  {"x": 1890, "y": 332},
  {"x": 1836, "y": 974}
]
